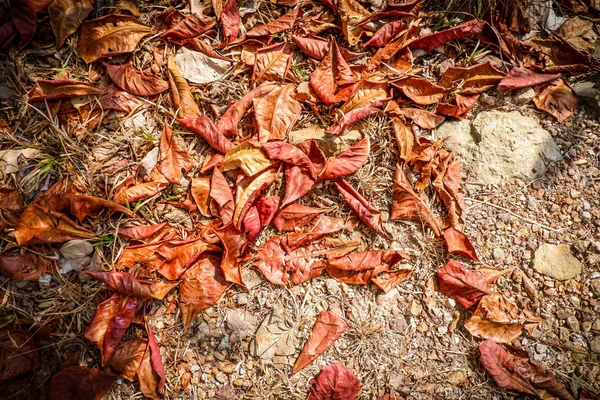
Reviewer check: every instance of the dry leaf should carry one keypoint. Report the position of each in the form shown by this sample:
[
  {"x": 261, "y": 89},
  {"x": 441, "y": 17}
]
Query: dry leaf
[
  {"x": 557, "y": 99},
  {"x": 66, "y": 16},
  {"x": 335, "y": 381}
]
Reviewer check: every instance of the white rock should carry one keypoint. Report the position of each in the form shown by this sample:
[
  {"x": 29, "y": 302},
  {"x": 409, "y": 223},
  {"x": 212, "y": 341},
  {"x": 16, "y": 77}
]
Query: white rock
[{"x": 556, "y": 261}]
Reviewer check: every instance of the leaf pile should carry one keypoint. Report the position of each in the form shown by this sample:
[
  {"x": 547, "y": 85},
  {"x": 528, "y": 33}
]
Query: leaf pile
[{"x": 340, "y": 63}]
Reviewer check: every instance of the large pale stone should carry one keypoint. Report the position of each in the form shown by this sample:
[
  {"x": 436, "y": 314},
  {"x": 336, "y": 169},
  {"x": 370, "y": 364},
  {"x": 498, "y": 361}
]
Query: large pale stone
[
  {"x": 497, "y": 146},
  {"x": 556, "y": 261}
]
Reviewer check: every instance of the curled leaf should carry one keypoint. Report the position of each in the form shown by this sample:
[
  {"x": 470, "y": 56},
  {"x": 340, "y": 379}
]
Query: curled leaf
[
  {"x": 458, "y": 243},
  {"x": 132, "y": 81},
  {"x": 393, "y": 279},
  {"x": 557, "y": 99},
  {"x": 462, "y": 284},
  {"x": 173, "y": 157},
  {"x": 433, "y": 40},
  {"x": 335, "y": 381},
  {"x": 348, "y": 161},
  {"x": 209, "y": 132},
  {"x": 365, "y": 211},
  {"x": 521, "y": 77},
  {"x": 48, "y": 90},
  {"x": 332, "y": 80},
  {"x": 360, "y": 268},
  {"x": 125, "y": 284}
]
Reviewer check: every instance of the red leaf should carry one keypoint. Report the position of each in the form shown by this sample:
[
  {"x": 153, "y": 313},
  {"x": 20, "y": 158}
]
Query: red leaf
[
  {"x": 18, "y": 354},
  {"x": 295, "y": 216},
  {"x": 332, "y": 80},
  {"x": 447, "y": 184},
  {"x": 521, "y": 77},
  {"x": 511, "y": 370},
  {"x": 267, "y": 207},
  {"x": 201, "y": 287},
  {"x": 349, "y": 119},
  {"x": 420, "y": 90},
  {"x": 125, "y": 284},
  {"x": 393, "y": 279},
  {"x": 360, "y": 268},
  {"x": 221, "y": 193},
  {"x": 156, "y": 360},
  {"x": 209, "y": 132},
  {"x": 28, "y": 267},
  {"x": 281, "y": 24},
  {"x": 297, "y": 184},
  {"x": 366, "y": 212},
  {"x": 234, "y": 246},
  {"x": 48, "y": 90},
  {"x": 327, "y": 329},
  {"x": 252, "y": 223},
  {"x": 289, "y": 154},
  {"x": 138, "y": 83},
  {"x": 230, "y": 21},
  {"x": 249, "y": 189},
  {"x": 317, "y": 47},
  {"x": 188, "y": 28},
  {"x": 173, "y": 158},
  {"x": 464, "y": 103},
  {"x": 408, "y": 206},
  {"x": 10, "y": 207},
  {"x": 462, "y": 284},
  {"x": 385, "y": 34},
  {"x": 24, "y": 20},
  {"x": 335, "y": 381},
  {"x": 433, "y": 40},
  {"x": 179, "y": 255},
  {"x": 348, "y": 161},
  {"x": 477, "y": 78},
  {"x": 458, "y": 243},
  {"x": 80, "y": 383},
  {"x": 110, "y": 321},
  {"x": 141, "y": 232},
  {"x": 314, "y": 153}
]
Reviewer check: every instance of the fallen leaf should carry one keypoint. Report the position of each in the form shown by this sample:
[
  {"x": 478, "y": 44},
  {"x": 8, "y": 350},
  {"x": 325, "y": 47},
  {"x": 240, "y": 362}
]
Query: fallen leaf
[
  {"x": 132, "y": 81},
  {"x": 317, "y": 47},
  {"x": 360, "y": 268},
  {"x": 234, "y": 245},
  {"x": 141, "y": 232},
  {"x": 295, "y": 216},
  {"x": 407, "y": 140},
  {"x": 475, "y": 79},
  {"x": 79, "y": 383},
  {"x": 276, "y": 113},
  {"x": 266, "y": 208},
  {"x": 422, "y": 118},
  {"x": 248, "y": 190},
  {"x": 351, "y": 118},
  {"x": 222, "y": 194},
  {"x": 230, "y": 21},
  {"x": 393, "y": 279},
  {"x": 385, "y": 34},
  {"x": 128, "y": 358},
  {"x": 366, "y": 93},
  {"x": 521, "y": 77},
  {"x": 434, "y": 40},
  {"x": 332, "y": 80},
  {"x": 125, "y": 284},
  {"x": 348, "y": 161},
  {"x": 180, "y": 255},
  {"x": 66, "y": 16},
  {"x": 109, "y": 36},
  {"x": 18, "y": 353},
  {"x": 361, "y": 207},
  {"x": 281, "y": 24},
  {"x": 464, "y": 104},
  {"x": 335, "y": 381},
  {"x": 327, "y": 329},
  {"x": 251, "y": 224},
  {"x": 351, "y": 12},
  {"x": 200, "y": 191},
  {"x": 48, "y": 90},
  {"x": 462, "y": 284},
  {"x": 557, "y": 99},
  {"x": 173, "y": 159},
  {"x": 458, "y": 243},
  {"x": 511, "y": 370},
  {"x": 182, "y": 95},
  {"x": 201, "y": 287},
  {"x": 420, "y": 90},
  {"x": 272, "y": 62},
  {"x": 289, "y": 154},
  {"x": 408, "y": 206},
  {"x": 188, "y": 28},
  {"x": 208, "y": 131},
  {"x": 203, "y": 64},
  {"x": 27, "y": 267}
]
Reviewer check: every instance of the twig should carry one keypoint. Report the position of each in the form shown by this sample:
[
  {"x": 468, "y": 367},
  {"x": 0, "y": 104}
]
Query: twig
[{"x": 531, "y": 221}]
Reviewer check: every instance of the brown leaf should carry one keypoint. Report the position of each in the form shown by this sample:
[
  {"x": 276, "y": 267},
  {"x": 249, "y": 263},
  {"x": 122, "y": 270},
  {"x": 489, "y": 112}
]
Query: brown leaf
[
  {"x": 79, "y": 383},
  {"x": 18, "y": 354},
  {"x": 272, "y": 62},
  {"x": 27, "y": 267},
  {"x": 408, "y": 206},
  {"x": 188, "y": 28},
  {"x": 182, "y": 95},
  {"x": 498, "y": 319},
  {"x": 351, "y": 12},
  {"x": 128, "y": 357},
  {"x": 110, "y": 321},
  {"x": 173, "y": 158},
  {"x": 327, "y": 329},
  {"x": 207, "y": 130},
  {"x": 266, "y": 208},
  {"x": 385, "y": 34},
  {"x": 367, "y": 93},
  {"x": 10, "y": 207},
  {"x": 464, "y": 103},
  {"x": 200, "y": 191},
  {"x": 511, "y": 370},
  {"x": 557, "y": 99},
  {"x": 281, "y": 24},
  {"x": 458, "y": 243},
  {"x": 348, "y": 161},
  {"x": 407, "y": 140},
  {"x": 222, "y": 194},
  {"x": 351, "y": 118},
  {"x": 180, "y": 255},
  {"x": 66, "y": 16},
  {"x": 420, "y": 90},
  {"x": 360, "y": 268},
  {"x": 230, "y": 21},
  {"x": 433, "y": 40},
  {"x": 248, "y": 190},
  {"x": 276, "y": 113},
  {"x": 361, "y": 207},
  {"x": 295, "y": 216},
  {"x": 332, "y": 80},
  {"x": 422, "y": 118},
  {"x": 393, "y": 279},
  {"x": 335, "y": 381},
  {"x": 317, "y": 47},
  {"x": 477, "y": 78},
  {"x": 201, "y": 287},
  {"x": 462, "y": 284},
  {"x": 289, "y": 154},
  {"x": 141, "y": 232},
  {"x": 48, "y": 90},
  {"x": 109, "y": 36},
  {"x": 521, "y": 77},
  {"x": 234, "y": 246},
  {"x": 125, "y": 284},
  {"x": 138, "y": 83}
]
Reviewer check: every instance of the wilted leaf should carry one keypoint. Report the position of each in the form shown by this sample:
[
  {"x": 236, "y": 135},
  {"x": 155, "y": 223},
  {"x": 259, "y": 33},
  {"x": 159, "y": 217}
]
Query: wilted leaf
[
  {"x": 127, "y": 358},
  {"x": 203, "y": 64},
  {"x": 420, "y": 90},
  {"x": 317, "y": 47},
  {"x": 447, "y": 185},
  {"x": 433, "y": 40},
  {"x": 66, "y": 16},
  {"x": 476, "y": 79},
  {"x": 188, "y": 28},
  {"x": 289, "y": 154},
  {"x": 18, "y": 354},
  {"x": 201, "y": 287},
  {"x": 351, "y": 118},
  {"x": 180, "y": 255},
  {"x": 557, "y": 99},
  {"x": 360, "y": 268},
  {"x": 408, "y": 206},
  {"x": 393, "y": 279},
  {"x": 125, "y": 284},
  {"x": 79, "y": 383},
  {"x": 407, "y": 140},
  {"x": 458, "y": 243},
  {"x": 230, "y": 21},
  {"x": 335, "y": 381},
  {"x": 266, "y": 208},
  {"x": 138, "y": 83},
  {"x": 201, "y": 194},
  {"x": 462, "y": 284},
  {"x": 295, "y": 216},
  {"x": 279, "y": 25},
  {"x": 463, "y": 105},
  {"x": 28, "y": 267},
  {"x": 222, "y": 194},
  {"x": 248, "y": 190},
  {"x": 366, "y": 93},
  {"x": 348, "y": 161},
  {"x": 251, "y": 224},
  {"x": 173, "y": 158},
  {"x": 276, "y": 113},
  {"x": 327, "y": 329},
  {"x": 272, "y": 62},
  {"x": 110, "y": 321},
  {"x": 521, "y": 77},
  {"x": 360, "y": 206},
  {"x": 141, "y": 232},
  {"x": 422, "y": 118},
  {"x": 109, "y": 36},
  {"x": 511, "y": 370},
  {"x": 234, "y": 246},
  {"x": 47, "y": 90},
  {"x": 182, "y": 95},
  {"x": 332, "y": 80},
  {"x": 205, "y": 128},
  {"x": 351, "y": 12},
  {"x": 386, "y": 33},
  {"x": 498, "y": 319}
]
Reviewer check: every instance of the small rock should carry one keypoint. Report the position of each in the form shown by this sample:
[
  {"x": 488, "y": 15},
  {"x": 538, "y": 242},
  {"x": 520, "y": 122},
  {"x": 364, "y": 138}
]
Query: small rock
[
  {"x": 76, "y": 249},
  {"x": 242, "y": 299},
  {"x": 388, "y": 299},
  {"x": 573, "y": 323},
  {"x": 457, "y": 378},
  {"x": 487, "y": 99},
  {"x": 595, "y": 344},
  {"x": 241, "y": 324},
  {"x": 556, "y": 261},
  {"x": 596, "y": 325},
  {"x": 564, "y": 334},
  {"x": 561, "y": 313},
  {"x": 221, "y": 377},
  {"x": 524, "y": 96},
  {"x": 398, "y": 324},
  {"x": 575, "y": 194},
  {"x": 498, "y": 254},
  {"x": 586, "y": 326},
  {"x": 238, "y": 382},
  {"x": 159, "y": 324},
  {"x": 415, "y": 308},
  {"x": 586, "y": 216}
]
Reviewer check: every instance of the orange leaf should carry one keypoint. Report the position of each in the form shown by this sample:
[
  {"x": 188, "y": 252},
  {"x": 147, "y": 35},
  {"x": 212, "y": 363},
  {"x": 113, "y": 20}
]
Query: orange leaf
[
  {"x": 420, "y": 90},
  {"x": 222, "y": 194},
  {"x": 477, "y": 78},
  {"x": 201, "y": 194},
  {"x": 557, "y": 99},
  {"x": 360, "y": 268},
  {"x": 138, "y": 83},
  {"x": 458, "y": 243},
  {"x": 141, "y": 232},
  {"x": 173, "y": 158},
  {"x": 332, "y": 80},
  {"x": 234, "y": 246},
  {"x": 48, "y": 90},
  {"x": 125, "y": 284},
  {"x": 281, "y": 24},
  {"x": 393, "y": 279},
  {"x": 272, "y": 62},
  {"x": 209, "y": 132},
  {"x": 335, "y": 381},
  {"x": 521, "y": 77},
  {"x": 462, "y": 284},
  {"x": 433, "y": 40},
  {"x": 180, "y": 90},
  {"x": 276, "y": 113},
  {"x": 348, "y": 161}
]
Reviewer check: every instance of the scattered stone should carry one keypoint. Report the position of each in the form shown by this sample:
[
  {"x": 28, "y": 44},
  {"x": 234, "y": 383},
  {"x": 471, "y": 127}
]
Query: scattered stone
[
  {"x": 398, "y": 324},
  {"x": 572, "y": 323},
  {"x": 595, "y": 344},
  {"x": 387, "y": 300},
  {"x": 274, "y": 336},
  {"x": 564, "y": 334},
  {"x": 242, "y": 299},
  {"x": 589, "y": 92},
  {"x": 561, "y": 313},
  {"x": 487, "y": 99},
  {"x": 498, "y": 254},
  {"x": 415, "y": 308},
  {"x": 497, "y": 146},
  {"x": 524, "y": 96},
  {"x": 596, "y": 325},
  {"x": 76, "y": 249},
  {"x": 556, "y": 261},
  {"x": 241, "y": 324}
]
